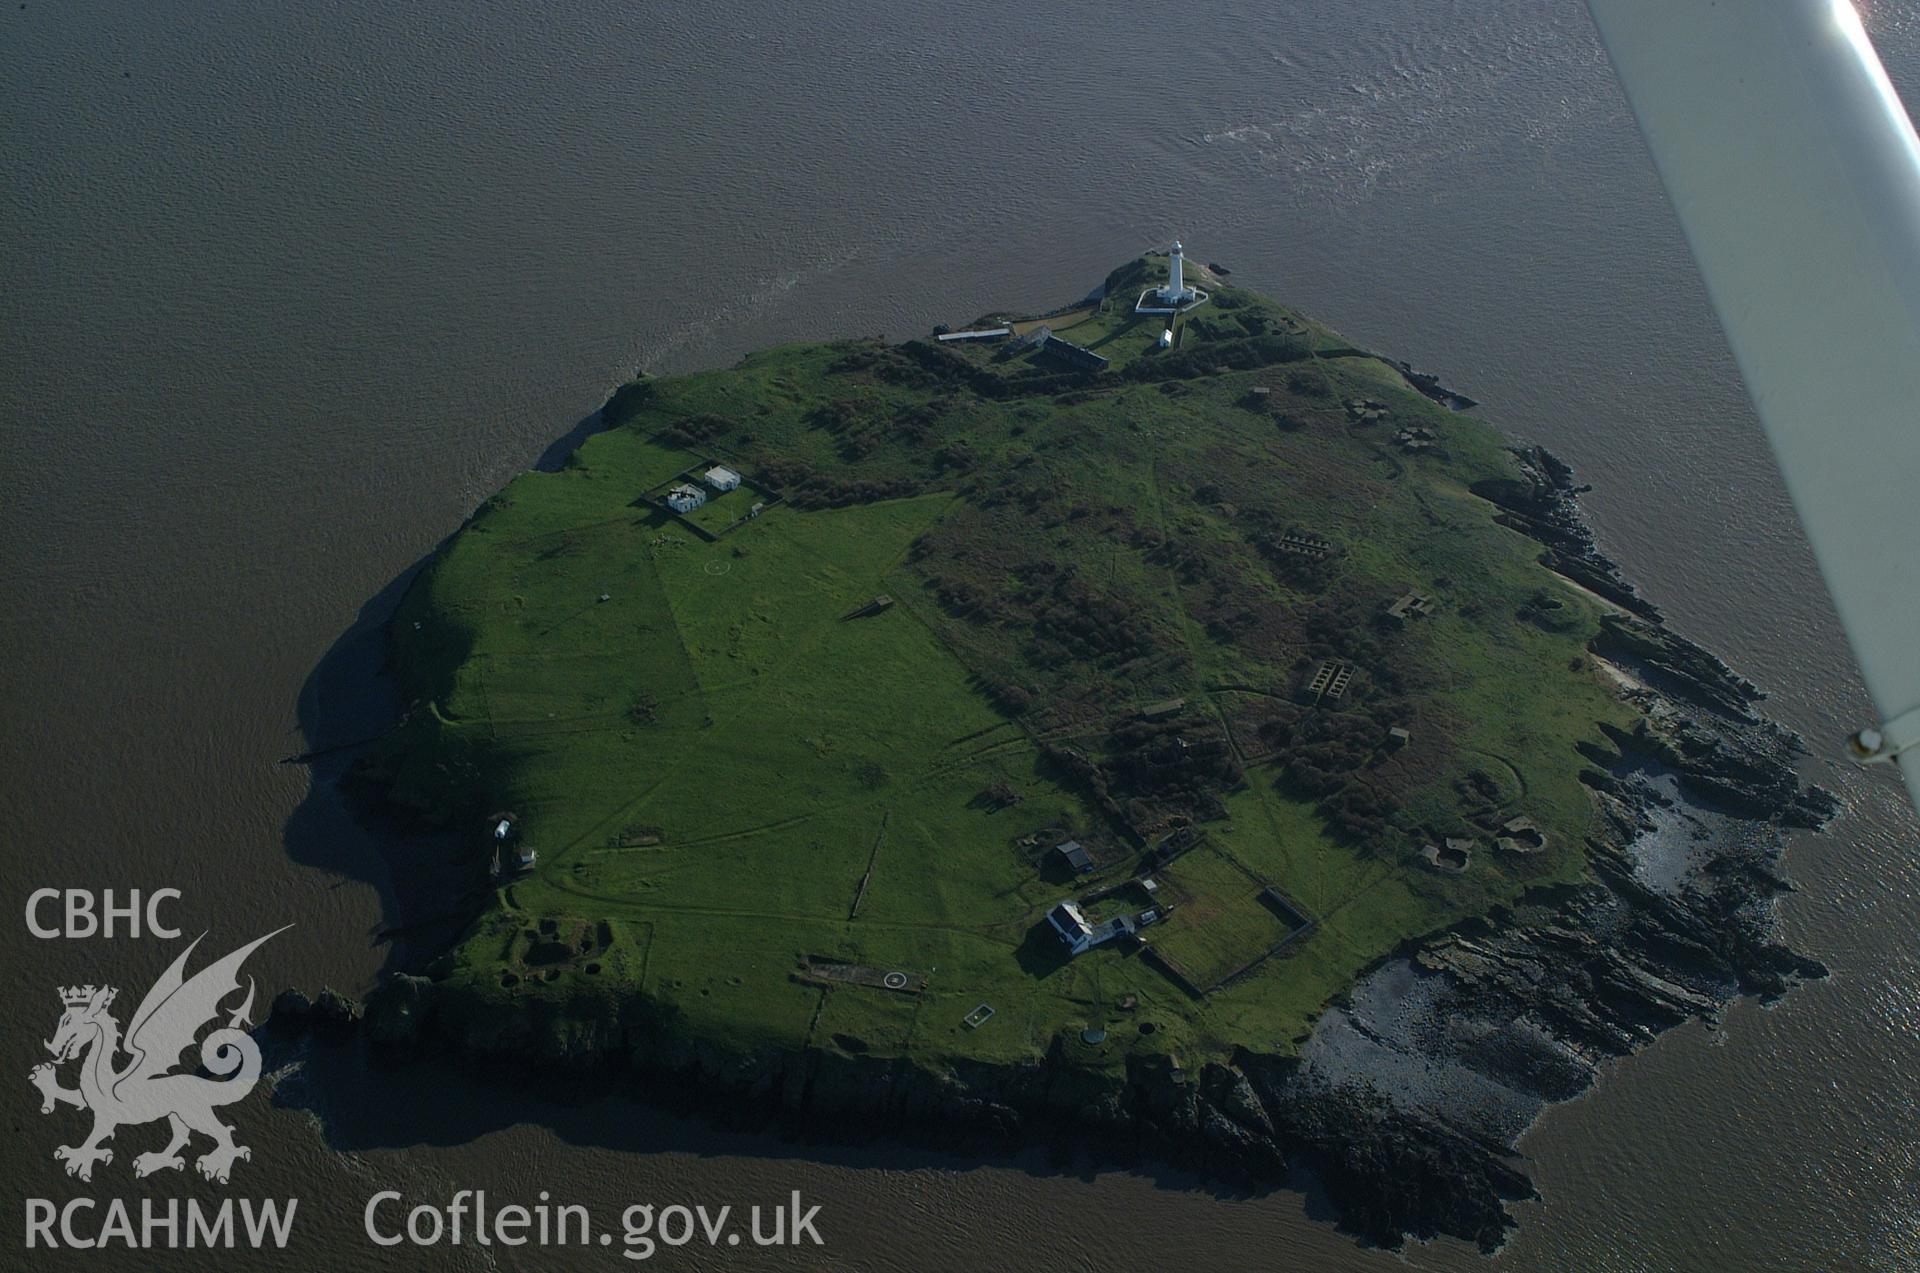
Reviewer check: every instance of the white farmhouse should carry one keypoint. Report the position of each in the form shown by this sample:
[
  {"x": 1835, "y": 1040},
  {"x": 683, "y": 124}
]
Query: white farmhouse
[
  {"x": 685, "y": 497},
  {"x": 722, "y": 478},
  {"x": 1070, "y": 922}
]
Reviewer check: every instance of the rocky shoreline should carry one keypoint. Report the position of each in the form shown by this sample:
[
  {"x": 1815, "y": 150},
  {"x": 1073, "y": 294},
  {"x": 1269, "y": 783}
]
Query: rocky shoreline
[{"x": 1408, "y": 1100}]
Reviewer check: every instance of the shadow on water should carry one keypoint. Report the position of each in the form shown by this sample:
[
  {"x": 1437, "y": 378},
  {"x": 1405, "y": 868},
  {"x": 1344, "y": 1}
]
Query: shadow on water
[
  {"x": 556, "y": 454},
  {"x": 428, "y": 893},
  {"x": 366, "y": 1104},
  {"x": 348, "y": 700}
]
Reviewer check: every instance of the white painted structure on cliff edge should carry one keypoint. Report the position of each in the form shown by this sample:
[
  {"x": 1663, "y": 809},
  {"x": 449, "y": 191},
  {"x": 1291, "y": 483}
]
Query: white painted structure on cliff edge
[
  {"x": 1176, "y": 292},
  {"x": 1173, "y": 296}
]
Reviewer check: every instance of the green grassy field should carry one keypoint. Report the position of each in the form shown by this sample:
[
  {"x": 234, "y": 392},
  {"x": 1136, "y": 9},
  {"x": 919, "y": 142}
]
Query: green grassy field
[
  {"x": 1219, "y": 924},
  {"x": 725, "y": 776}
]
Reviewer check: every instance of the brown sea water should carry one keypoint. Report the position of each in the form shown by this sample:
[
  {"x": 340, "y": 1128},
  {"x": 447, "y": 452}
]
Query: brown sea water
[{"x": 285, "y": 291}]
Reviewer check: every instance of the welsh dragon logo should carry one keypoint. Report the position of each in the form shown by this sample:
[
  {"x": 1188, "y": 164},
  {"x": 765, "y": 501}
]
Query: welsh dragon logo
[{"x": 145, "y": 1089}]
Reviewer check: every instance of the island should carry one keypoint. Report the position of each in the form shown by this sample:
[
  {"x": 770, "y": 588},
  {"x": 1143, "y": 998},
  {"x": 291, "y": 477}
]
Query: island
[{"x": 1158, "y": 728}]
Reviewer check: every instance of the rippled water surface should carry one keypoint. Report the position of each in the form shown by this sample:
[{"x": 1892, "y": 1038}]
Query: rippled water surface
[{"x": 288, "y": 289}]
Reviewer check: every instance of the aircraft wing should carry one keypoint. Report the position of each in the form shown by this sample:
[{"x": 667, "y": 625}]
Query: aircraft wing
[{"x": 1796, "y": 175}]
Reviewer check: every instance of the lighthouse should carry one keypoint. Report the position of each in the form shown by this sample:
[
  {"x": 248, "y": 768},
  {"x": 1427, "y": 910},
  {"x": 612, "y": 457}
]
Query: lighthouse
[
  {"x": 1176, "y": 292},
  {"x": 1173, "y": 296}
]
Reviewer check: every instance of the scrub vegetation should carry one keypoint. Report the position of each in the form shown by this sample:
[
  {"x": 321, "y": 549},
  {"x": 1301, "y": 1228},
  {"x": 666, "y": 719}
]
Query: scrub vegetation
[{"x": 1111, "y": 596}]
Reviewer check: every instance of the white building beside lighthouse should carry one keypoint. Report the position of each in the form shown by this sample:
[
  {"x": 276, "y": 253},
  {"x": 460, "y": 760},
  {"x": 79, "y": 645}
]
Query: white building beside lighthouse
[{"x": 1173, "y": 296}]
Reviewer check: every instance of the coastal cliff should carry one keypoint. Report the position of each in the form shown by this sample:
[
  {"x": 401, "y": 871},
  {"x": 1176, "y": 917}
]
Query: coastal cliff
[
  {"x": 1408, "y": 1098},
  {"x": 1190, "y": 742}
]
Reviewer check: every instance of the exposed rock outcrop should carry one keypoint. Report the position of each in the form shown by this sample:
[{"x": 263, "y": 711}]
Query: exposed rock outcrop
[{"x": 1408, "y": 1099}]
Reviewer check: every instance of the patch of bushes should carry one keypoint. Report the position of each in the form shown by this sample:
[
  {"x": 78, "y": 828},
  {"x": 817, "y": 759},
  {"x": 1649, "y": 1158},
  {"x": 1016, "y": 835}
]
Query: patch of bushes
[
  {"x": 1208, "y": 358},
  {"x": 697, "y": 431}
]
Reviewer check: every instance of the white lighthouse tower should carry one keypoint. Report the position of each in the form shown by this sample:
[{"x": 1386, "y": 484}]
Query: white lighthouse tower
[
  {"x": 1174, "y": 296},
  {"x": 1176, "y": 292}
]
